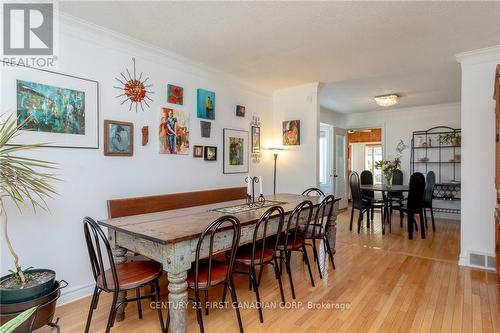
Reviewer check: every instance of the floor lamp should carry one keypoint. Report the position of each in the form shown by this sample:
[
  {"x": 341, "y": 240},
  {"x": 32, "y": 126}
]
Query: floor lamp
[{"x": 275, "y": 151}]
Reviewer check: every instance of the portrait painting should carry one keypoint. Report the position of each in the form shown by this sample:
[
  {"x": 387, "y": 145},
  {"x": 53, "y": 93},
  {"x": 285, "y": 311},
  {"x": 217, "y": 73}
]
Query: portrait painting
[
  {"x": 175, "y": 94},
  {"x": 118, "y": 138},
  {"x": 205, "y": 104},
  {"x": 240, "y": 111},
  {"x": 205, "y": 128},
  {"x": 174, "y": 132},
  {"x": 235, "y": 151},
  {"x": 210, "y": 153},
  {"x": 57, "y": 109},
  {"x": 197, "y": 151},
  {"x": 255, "y": 139},
  {"x": 291, "y": 133}
]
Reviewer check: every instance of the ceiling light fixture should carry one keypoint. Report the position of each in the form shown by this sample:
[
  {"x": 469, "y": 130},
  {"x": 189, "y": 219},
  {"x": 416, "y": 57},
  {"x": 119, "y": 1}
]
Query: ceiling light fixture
[{"x": 387, "y": 100}]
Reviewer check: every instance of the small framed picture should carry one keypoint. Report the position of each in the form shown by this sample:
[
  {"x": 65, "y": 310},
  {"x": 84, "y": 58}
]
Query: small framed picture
[
  {"x": 240, "y": 111},
  {"x": 255, "y": 140},
  {"x": 210, "y": 153},
  {"x": 197, "y": 151},
  {"x": 175, "y": 94},
  {"x": 291, "y": 133},
  {"x": 118, "y": 138},
  {"x": 235, "y": 151},
  {"x": 205, "y": 128}
]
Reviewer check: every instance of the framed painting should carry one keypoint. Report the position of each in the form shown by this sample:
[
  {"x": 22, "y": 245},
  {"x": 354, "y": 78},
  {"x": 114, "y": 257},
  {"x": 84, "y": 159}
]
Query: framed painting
[
  {"x": 118, "y": 138},
  {"x": 174, "y": 132},
  {"x": 240, "y": 111},
  {"x": 210, "y": 153},
  {"x": 255, "y": 140},
  {"x": 175, "y": 94},
  {"x": 57, "y": 109},
  {"x": 235, "y": 151},
  {"x": 205, "y": 104},
  {"x": 197, "y": 151},
  {"x": 291, "y": 133},
  {"x": 205, "y": 127}
]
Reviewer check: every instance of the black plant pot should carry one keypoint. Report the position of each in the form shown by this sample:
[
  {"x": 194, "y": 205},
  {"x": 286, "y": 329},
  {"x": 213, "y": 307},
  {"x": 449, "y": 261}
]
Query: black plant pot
[{"x": 10, "y": 296}]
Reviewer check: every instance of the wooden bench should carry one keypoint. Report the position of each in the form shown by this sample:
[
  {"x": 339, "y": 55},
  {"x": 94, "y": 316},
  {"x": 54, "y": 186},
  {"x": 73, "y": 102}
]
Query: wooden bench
[{"x": 158, "y": 203}]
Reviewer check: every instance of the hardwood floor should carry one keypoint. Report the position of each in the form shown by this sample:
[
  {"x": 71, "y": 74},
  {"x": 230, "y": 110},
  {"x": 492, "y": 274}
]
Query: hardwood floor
[{"x": 382, "y": 283}]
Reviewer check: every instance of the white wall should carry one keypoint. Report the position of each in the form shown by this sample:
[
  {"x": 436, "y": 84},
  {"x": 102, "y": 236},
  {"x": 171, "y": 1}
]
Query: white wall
[
  {"x": 55, "y": 240},
  {"x": 298, "y": 165},
  {"x": 478, "y": 152},
  {"x": 330, "y": 117}
]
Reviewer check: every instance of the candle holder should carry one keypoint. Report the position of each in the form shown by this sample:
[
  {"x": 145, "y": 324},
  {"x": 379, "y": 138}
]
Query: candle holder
[{"x": 250, "y": 198}]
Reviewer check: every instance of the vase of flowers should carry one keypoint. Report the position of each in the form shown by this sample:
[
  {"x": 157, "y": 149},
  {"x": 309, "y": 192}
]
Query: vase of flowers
[{"x": 388, "y": 168}]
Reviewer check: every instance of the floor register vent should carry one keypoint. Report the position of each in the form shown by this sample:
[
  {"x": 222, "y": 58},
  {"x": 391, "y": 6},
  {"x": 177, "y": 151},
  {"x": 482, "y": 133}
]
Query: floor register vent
[{"x": 482, "y": 260}]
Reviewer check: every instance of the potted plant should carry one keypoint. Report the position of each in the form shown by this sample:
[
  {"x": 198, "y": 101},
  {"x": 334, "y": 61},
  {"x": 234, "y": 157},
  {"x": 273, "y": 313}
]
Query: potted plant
[
  {"x": 388, "y": 168},
  {"x": 23, "y": 181},
  {"x": 451, "y": 139}
]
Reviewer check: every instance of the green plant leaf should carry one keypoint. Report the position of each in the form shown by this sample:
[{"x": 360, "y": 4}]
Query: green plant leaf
[{"x": 14, "y": 323}]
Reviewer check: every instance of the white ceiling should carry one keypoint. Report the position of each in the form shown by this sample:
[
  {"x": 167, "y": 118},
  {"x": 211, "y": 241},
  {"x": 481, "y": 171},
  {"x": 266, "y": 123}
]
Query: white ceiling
[{"x": 359, "y": 49}]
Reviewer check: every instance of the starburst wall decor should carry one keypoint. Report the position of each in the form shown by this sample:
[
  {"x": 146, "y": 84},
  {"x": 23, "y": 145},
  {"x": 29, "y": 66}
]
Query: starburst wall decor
[{"x": 134, "y": 89}]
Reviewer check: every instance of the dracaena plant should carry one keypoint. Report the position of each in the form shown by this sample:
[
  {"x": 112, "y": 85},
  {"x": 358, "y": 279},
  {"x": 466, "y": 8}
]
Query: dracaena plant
[{"x": 23, "y": 180}]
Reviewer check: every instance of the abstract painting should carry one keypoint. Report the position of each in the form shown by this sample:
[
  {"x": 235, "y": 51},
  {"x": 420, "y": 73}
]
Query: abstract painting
[
  {"x": 134, "y": 88},
  {"x": 255, "y": 140},
  {"x": 235, "y": 151},
  {"x": 205, "y": 128},
  {"x": 174, "y": 132},
  {"x": 58, "y": 109},
  {"x": 240, "y": 111},
  {"x": 291, "y": 133},
  {"x": 45, "y": 108},
  {"x": 118, "y": 138},
  {"x": 206, "y": 104},
  {"x": 210, "y": 153},
  {"x": 175, "y": 94}
]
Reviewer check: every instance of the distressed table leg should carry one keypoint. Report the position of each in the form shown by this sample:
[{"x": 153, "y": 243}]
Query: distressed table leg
[
  {"x": 332, "y": 228},
  {"x": 178, "y": 300},
  {"x": 119, "y": 258}
]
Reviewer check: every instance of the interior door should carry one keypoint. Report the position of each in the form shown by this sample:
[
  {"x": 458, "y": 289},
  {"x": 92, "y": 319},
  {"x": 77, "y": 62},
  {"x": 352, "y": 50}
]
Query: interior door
[
  {"x": 326, "y": 158},
  {"x": 340, "y": 165}
]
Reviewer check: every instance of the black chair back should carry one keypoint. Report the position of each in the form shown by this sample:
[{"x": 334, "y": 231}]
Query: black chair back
[
  {"x": 367, "y": 179},
  {"x": 97, "y": 241},
  {"x": 355, "y": 186},
  {"x": 262, "y": 227},
  {"x": 430, "y": 183},
  {"x": 416, "y": 191},
  {"x": 226, "y": 222},
  {"x": 397, "y": 179},
  {"x": 322, "y": 217},
  {"x": 313, "y": 191},
  {"x": 303, "y": 212}
]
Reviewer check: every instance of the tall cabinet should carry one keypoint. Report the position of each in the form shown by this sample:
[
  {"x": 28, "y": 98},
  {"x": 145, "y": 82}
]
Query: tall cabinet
[{"x": 497, "y": 174}]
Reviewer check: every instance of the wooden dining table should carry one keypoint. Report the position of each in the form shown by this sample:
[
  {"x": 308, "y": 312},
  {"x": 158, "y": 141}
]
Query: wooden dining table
[{"x": 170, "y": 238}]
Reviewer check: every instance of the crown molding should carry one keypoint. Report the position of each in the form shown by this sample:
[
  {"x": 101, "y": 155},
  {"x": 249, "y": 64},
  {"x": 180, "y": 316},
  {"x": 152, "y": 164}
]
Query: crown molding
[
  {"x": 90, "y": 32},
  {"x": 484, "y": 55}
]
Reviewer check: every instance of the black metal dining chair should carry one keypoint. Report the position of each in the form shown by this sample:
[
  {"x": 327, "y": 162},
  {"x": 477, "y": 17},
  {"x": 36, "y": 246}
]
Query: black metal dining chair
[
  {"x": 414, "y": 203},
  {"x": 430, "y": 184},
  {"x": 292, "y": 241},
  {"x": 367, "y": 179},
  {"x": 208, "y": 273},
  {"x": 313, "y": 191},
  {"x": 262, "y": 251},
  {"x": 317, "y": 229},
  {"x": 361, "y": 203},
  {"x": 119, "y": 277}
]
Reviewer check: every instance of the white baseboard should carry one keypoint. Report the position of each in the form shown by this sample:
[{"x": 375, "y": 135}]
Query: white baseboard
[
  {"x": 463, "y": 260},
  {"x": 74, "y": 294}
]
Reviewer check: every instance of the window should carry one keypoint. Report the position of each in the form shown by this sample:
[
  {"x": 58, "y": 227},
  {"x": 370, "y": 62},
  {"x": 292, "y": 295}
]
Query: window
[{"x": 373, "y": 154}]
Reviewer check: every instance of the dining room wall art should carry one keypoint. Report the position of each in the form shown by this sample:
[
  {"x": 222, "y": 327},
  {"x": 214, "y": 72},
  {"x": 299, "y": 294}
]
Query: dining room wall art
[
  {"x": 135, "y": 89},
  {"x": 235, "y": 151},
  {"x": 205, "y": 127},
  {"x": 145, "y": 135},
  {"x": 197, "y": 151},
  {"x": 255, "y": 125},
  {"x": 210, "y": 153},
  {"x": 240, "y": 111},
  {"x": 205, "y": 104},
  {"x": 291, "y": 133},
  {"x": 174, "y": 132},
  {"x": 175, "y": 94},
  {"x": 118, "y": 138},
  {"x": 59, "y": 109}
]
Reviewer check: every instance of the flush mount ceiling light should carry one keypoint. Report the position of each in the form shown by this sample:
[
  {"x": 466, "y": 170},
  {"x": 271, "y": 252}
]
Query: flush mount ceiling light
[{"x": 387, "y": 100}]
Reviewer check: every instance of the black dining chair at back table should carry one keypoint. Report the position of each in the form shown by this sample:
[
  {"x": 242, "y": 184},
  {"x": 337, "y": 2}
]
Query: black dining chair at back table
[
  {"x": 360, "y": 202},
  {"x": 430, "y": 184},
  {"x": 366, "y": 178},
  {"x": 414, "y": 203}
]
